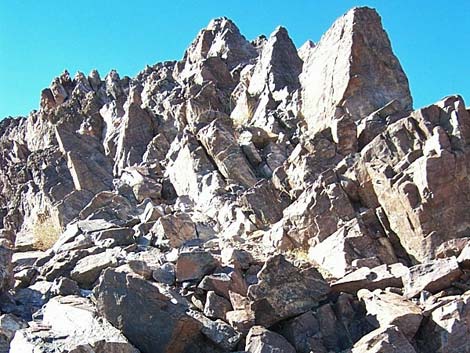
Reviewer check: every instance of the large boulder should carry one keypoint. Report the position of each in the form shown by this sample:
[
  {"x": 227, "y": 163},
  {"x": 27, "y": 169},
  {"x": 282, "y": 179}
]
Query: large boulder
[
  {"x": 70, "y": 324},
  {"x": 431, "y": 276},
  {"x": 284, "y": 291},
  {"x": 153, "y": 317}
]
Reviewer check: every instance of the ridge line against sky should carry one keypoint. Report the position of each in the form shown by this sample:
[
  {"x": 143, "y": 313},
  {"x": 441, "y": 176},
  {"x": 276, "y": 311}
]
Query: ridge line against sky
[{"x": 38, "y": 40}]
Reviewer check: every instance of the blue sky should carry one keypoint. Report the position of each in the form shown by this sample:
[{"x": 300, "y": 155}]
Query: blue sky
[{"x": 39, "y": 39}]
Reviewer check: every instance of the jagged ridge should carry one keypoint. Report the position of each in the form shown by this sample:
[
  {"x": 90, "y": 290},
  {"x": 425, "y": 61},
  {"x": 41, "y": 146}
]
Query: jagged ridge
[{"x": 249, "y": 196}]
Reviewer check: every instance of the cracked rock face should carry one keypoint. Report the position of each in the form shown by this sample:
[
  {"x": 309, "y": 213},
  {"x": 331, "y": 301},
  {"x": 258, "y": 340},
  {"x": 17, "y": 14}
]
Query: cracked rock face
[{"x": 252, "y": 196}]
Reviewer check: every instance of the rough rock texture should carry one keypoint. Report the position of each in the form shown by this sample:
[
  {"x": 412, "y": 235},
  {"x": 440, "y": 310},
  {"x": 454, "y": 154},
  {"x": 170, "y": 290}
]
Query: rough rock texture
[
  {"x": 352, "y": 71},
  {"x": 251, "y": 195},
  {"x": 162, "y": 324}
]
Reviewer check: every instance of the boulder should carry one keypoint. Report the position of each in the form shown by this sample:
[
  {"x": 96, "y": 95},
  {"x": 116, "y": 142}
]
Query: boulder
[
  {"x": 88, "y": 269},
  {"x": 219, "y": 141},
  {"x": 71, "y": 324},
  {"x": 194, "y": 265},
  {"x": 354, "y": 241},
  {"x": 219, "y": 332},
  {"x": 174, "y": 230},
  {"x": 386, "y": 339},
  {"x": 284, "y": 291},
  {"x": 387, "y": 308},
  {"x": 153, "y": 317},
  {"x": 9, "y": 324},
  {"x": 379, "y": 277},
  {"x": 216, "y": 307},
  {"x": 260, "y": 340},
  {"x": 431, "y": 276},
  {"x": 448, "y": 328}
]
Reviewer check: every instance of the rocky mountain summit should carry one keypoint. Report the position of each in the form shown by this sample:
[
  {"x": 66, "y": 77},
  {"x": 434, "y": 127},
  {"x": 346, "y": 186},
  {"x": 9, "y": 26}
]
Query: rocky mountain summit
[{"x": 251, "y": 197}]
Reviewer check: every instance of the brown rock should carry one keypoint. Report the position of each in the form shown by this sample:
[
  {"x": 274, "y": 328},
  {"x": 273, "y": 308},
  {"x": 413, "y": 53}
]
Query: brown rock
[
  {"x": 363, "y": 76},
  {"x": 464, "y": 257},
  {"x": 448, "y": 327},
  {"x": 431, "y": 276},
  {"x": 194, "y": 265},
  {"x": 216, "y": 307},
  {"x": 387, "y": 339},
  {"x": 174, "y": 230},
  {"x": 352, "y": 242},
  {"x": 162, "y": 323},
  {"x": 261, "y": 340},
  {"x": 379, "y": 277},
  {"x": 408, "y": 167},
  {"x": 219, "y": 141},
  {"x": 392, "y": 309},
  {"x": 284, "y": 291}
]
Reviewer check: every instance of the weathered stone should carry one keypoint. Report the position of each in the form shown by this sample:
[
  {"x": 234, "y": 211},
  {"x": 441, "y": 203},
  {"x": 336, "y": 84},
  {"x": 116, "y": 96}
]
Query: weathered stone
[
  {"x": 64, "y": 286},
  {"x": 174, "y": 230},
  {"x": 194, "y": 265},
  {"x": 120, "y": 236},
  {"x": 72, "y": 326},
  {"x": 464, "y": 257},
  {"x": 162, "y": 324},
  {"x": 219, "y": 141},
  {"x": 363, "y": 76},
  {"x": 408, "y": 166},
  {"x": 284, "y": 291},
  {"x": 260, "y": 340},
  {"x": 448, "y": 327},
  {"x": 88, "y": 269},
  {"x": 137, "y": 130},
  {"x": 303, "y": 332},
  {"x": 278, "y": 67},
  {"x": 387, "y": 339},
  {"x": 431, "y": 276},
  {"x": 220, "y": 333},
  {"x": 9, "y": 324},
  {"x": 166, "y": 273},
  {"x": 216, "y": 307},
  {"x": 351, "y": 242},
  {"x": 392, "y": 309},
  {"x": 379, "y": 277}
]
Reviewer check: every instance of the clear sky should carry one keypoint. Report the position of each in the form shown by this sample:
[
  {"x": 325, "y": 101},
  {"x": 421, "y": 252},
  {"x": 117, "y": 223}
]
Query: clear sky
[{"x": 39, "y": 39}]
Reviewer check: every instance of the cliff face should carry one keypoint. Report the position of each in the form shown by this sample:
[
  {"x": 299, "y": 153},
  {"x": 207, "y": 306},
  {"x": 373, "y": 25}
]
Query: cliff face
[{"x": 250, "y": 196}]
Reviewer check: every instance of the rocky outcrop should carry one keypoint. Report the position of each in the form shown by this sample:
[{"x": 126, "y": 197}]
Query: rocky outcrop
[
  {"x": 352, "y": 71},
  {"x": 250, "y": 196}
]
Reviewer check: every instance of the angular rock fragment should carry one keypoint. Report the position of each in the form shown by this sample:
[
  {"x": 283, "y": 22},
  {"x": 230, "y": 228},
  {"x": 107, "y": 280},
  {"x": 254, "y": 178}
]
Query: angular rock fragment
[
  {"x": 194, "y": 265},
  {"x": 216, "y": 307},
  {"x": 386, "y": 339},
  {"x": 431, "y": 276},
  {"x": 162, "y": 323},
  {"x": 88, "y": 269},
  {"x": 261, "y": 340},
  {"x": 70, "y": 324},
  {"x": 284, "y": 291},
  {"x": 379, "y": 277},
  {"x": 174, "y": 230},
  {"x": 392, "y": 309},
  {"x": 448, "y": 327}
]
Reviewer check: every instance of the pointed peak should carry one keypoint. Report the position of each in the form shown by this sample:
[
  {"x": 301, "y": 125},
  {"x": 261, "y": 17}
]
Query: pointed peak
[
  {"x": 222, "y": 23},
  {"x": 279, "y": 32}
]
